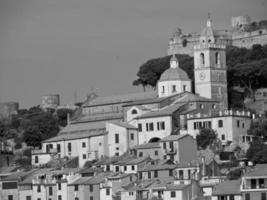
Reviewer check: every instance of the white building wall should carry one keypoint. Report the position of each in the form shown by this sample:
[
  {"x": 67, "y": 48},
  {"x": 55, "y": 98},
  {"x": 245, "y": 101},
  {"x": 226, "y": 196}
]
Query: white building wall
[
  {"x": 167, "y": 195},
  {"x": 145, "y": 136},
  {"x": 42, "y": 159},
  {"x": 103, "y": 194},
  {"x": 128, "y": 195},
  {"x": 168, "y": 85},
  {"x": 230, "y": 128}
]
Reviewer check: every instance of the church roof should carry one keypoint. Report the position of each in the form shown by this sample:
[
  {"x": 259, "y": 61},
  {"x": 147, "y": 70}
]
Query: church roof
[
  {"x": 124, "y": 98},
  {"x": 173, "y": 74}
]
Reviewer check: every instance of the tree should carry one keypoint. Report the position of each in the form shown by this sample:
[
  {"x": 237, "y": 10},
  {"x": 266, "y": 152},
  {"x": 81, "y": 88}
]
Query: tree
[
  {"x": 206, "y": 137},
  {"x": 62, "y": 116},
  {"x": 149, "y": 72},
  {"x": 32, "y": 137},
  {"x": 235, "y": 174},
  {"x": 258, "y": 128},
  {"x": 257, "y": 152}
]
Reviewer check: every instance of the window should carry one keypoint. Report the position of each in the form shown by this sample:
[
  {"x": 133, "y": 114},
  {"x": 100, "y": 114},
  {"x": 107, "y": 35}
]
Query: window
[
  {"x": 151, "y": 127},
  {"x": 125, "y": 168},
  {"x": 155, "y": 173},
  {"x": 116, "y": 138},
  {"x": 91, "y": 198},
  {"x": 38, "y": 188},
  {"x": 133, "y": 167},
  {"x": 76, "y": 187},
  {"x": 214, "y": 106},
  {"x": 201, "y": 106},
  {"x": 84, "y": 156},
  {"x": 36, "y": 160},
  {"x": 184, "y": 88},
  {"x": 107, "y": 191},
  {"x": 84, "y": 144},
  {"x": 232, "y": 197},
  {"x": 243, "y": 125},
  {"x": 117, "y": 168},
  {"x": 134, "y": 112},
  {"x": 161, "y": 125},
  {"x": 170, "y": 172},
  {"x": 10, "y": 197},
  {"x": 108, "y": 168},
  {"x": 28, "y": 197},
  {"x": 117, "y": 154},
  {"x": 156, "y": 153},
  {"x": 148, "y": 174},
  {"x": 174, "y": 88},
  {"x": 261, "y": 182},
  {"x": 59, "y": 186},
  {"x": 247, "y": 196},
  {"x": 91, "y": 188},
  {"x": 202, "y": 59},
  {"x": 217, "y": 58},
  {"x": 164, "y": 145},
  {"x": 69, "y": 147},
  {"x": 50, "y": 191},
  {"x": 223, "y": 137},
  {"x": 140, "y": 154},
  {"x": 76, "y": 198},
  {"x": 253, "y": 183},
  {"x": 263, "y": 196},
  {"x": 220, "y": 123},
  {"x": 238, "y": 123},
  {"x": 181, "y": 174},
  {"x": 173, "y": 194},
  {"x": 59, "y": 197},
  {"x": 162, "y": 89},
  {"x": 58, "y": 148},
  {"x": 132, "y": 136},
  {"x": 140, "y": 127}
]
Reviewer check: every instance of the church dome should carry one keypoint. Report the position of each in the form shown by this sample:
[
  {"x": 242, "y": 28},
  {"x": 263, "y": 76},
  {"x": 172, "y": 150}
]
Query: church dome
[{"x": 174, "y": 73}]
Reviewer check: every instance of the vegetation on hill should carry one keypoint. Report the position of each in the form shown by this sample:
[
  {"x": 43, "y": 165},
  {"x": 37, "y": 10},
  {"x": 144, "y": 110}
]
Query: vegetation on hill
[
  {"x": 205, "y": 138},
  {"x": 33, "y": 125},
  {"x": 247, "y": 69}
]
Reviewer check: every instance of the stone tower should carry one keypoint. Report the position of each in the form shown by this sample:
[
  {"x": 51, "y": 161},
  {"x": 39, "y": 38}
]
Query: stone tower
[{"x": 210, "y": 67}]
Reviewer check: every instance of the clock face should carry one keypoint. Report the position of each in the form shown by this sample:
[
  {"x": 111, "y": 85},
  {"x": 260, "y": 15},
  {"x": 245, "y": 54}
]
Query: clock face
[{"x": 202, "y": 76}]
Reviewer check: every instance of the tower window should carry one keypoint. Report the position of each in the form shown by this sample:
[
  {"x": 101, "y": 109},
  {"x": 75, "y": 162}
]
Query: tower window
[
  {"x": 217, "y": 58},
  {"x": 202, "y": 58},
  {"x": 174, "y": 88}
]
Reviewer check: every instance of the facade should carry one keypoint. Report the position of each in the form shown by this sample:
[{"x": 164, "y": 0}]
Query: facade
[{"x": 231, "y": 126}]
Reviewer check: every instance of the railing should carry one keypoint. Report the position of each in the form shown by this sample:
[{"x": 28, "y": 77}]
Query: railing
[{"x": 40, "y": 151}]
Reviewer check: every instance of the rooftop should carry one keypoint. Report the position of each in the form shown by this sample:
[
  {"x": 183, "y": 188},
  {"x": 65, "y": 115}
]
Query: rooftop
[
  {"x": 227, "y": 188},
  {"x": 124, "y": 98},
  {"x": 174, "y": 137},
  {"x": 258, "y": 170},
  {"x": 124, "y": 125},
  {"x": 147, "y": 146},
  {"x": 78, "y": 135}
]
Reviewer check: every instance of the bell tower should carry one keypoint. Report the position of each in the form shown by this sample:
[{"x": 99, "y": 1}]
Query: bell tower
[{"x": 210, "y": 67}]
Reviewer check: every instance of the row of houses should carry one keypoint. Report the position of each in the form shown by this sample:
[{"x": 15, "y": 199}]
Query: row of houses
[{"x": 133, "y": 178}]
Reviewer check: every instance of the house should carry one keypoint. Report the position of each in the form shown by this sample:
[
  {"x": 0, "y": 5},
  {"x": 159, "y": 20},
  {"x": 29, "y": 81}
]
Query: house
[
  {"x": 254, "y": 183},
  {"x": 231, "y": 126},
  {"x": 179, "y": 148},
  {"x": 227, "y": 190},
  {"x": 10, "y": 185},
  {"x": 92, "y": 188},
  {"x": 158, "y": 168},
  {"x": 152, "y": 150}
]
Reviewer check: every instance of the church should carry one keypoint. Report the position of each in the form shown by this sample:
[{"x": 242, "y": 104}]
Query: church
[{"x": 111, "y": 126}]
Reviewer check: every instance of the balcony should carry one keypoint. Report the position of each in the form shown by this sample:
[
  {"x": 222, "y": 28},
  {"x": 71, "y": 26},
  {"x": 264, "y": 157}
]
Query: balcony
[{"x": 41, "y": 151}]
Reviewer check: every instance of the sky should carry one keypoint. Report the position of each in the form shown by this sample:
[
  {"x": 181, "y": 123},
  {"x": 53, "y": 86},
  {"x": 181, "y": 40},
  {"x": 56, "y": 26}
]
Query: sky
[{"x": 73, "y": 46}]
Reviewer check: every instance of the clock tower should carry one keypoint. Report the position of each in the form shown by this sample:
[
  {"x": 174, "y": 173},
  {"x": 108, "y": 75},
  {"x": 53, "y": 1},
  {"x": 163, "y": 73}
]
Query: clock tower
[{"x": 210, "y": 67}]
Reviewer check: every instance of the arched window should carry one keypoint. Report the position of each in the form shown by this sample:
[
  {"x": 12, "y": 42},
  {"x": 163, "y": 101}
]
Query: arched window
[
  {"x": 202, "y": 58},
  {"x": 134, "y": 111},
  {"x": 217, "y": 58}
]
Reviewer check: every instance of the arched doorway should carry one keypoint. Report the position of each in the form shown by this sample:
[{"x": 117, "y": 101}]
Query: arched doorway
[{"x": 154, "y": 139}]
